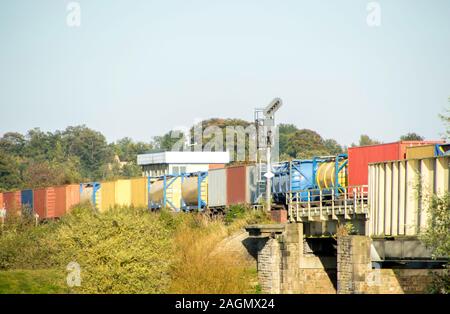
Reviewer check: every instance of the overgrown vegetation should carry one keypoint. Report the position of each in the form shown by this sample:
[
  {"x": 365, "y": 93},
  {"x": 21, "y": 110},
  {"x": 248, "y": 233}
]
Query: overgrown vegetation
[
  {"x": 125, "y": 250},
  {"x": 437, "y": 238}
]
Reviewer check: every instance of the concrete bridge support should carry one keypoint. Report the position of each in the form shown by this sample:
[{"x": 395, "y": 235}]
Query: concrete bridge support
[{"x": 289, "y": 263}]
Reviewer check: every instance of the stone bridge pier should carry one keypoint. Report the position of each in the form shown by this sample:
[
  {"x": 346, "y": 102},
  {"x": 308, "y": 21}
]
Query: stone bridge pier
[{"x": 288, "y": 262}]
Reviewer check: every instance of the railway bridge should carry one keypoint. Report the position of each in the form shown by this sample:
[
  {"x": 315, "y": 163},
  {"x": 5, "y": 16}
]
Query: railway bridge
[{"x": 380, "y": 253}]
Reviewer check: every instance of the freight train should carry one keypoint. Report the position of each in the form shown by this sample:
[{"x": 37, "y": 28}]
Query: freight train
[{"x": 311, "y": 182}]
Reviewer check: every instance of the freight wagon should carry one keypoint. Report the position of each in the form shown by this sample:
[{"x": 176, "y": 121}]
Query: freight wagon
[
  {"x": 179, "y": 192},
  {"x": 27, "y": 202},
  {"x": 304, "y": 178},
  {"x": 113, "y": 193},
  {"x": 400, "y": 191},
  {"x": 360, "y": 157},
  {"x": 12, "y": 201}
]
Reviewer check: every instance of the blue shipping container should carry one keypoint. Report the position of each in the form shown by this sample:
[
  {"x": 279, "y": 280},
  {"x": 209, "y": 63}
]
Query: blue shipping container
[
  {"x": 302, "y": 175},
  {"x": 295, "y": 176},
  {"x": 27, "y": 199}
]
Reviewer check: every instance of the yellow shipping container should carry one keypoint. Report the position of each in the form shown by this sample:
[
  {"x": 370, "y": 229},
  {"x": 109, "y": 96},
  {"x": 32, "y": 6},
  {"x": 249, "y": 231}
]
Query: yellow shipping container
[
  {"x": 139, "y": 192},
  {"x": 107, "y": 195},
  {"x": 123, "y": 192},
  {"x": 419, "y": 152},
  {"x": 98, "y": 198}
]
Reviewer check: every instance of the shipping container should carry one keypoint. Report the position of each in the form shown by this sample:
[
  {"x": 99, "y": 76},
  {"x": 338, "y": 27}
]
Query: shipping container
[
  {"x": 442, "y": 149},
  {"x": 399, "y": 194},
  {"x": 107, "y": 196},
  {"x": 123, "y": 193},
  {"x": 67, "y": 196},
  {"x": 360, "y": 157},
  {"x": 165, "y": 192},
  {"x": 90, "y": 192},
  {"x": 45, "y": 202},
  {"x": 217, "y": 188},
  {"x": 422, "y": 151},
  {"x": 194, "y": 191},
  {"x": 12, "y": 201},
  {"x": 216, "y": 166},
  {"x": 427, "y": 151},
  {"x": 26, "y": 199},
  {"x": 236, "y": 185},
  {"x": 2, "y": 203},
  {"x": 113, "y": 193},
  {"x": 139, "y": 192}
]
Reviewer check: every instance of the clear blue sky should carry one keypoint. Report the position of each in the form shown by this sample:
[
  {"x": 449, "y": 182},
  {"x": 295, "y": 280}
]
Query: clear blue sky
[{"x": 139, "y": 68}]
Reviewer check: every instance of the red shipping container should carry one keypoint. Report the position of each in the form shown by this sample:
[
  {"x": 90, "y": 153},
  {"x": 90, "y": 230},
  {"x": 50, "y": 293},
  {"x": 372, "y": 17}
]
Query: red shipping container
[
  {"x": 236, "y": 185},
  {"x": 2, "y": 205},
  {"x": 44, "y": 202},
  {"x": 66, "y": 197},
  {"x": 360, "y": 157},
  {"x": 12, "y": 201}
]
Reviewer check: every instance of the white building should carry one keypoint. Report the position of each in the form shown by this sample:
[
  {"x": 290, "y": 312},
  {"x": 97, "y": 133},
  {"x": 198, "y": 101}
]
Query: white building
[{"x": 157, "y": 164}]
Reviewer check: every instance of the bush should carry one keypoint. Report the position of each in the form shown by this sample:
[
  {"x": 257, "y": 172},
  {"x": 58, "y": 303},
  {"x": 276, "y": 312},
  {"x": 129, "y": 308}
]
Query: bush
[
  {"x": 120, "y": 251},
  {"x": 127, "y": 250},
  {"x": 437, "y": 238}
]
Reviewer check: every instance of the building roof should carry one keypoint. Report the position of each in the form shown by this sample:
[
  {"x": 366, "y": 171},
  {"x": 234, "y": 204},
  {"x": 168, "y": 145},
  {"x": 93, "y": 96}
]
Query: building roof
[{"x": 184, "y": 158}]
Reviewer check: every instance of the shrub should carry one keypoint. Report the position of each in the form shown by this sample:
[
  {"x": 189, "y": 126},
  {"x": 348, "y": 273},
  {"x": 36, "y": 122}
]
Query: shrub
[
  {"x": 437, "y": 238},
  {"x": 128, "y": 250}
]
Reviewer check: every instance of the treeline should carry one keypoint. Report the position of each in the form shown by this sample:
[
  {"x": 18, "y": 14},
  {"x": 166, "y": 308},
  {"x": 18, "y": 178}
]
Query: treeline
[
  {"x": 80, "y": 154},
  {"x": 74, "y": 155}
]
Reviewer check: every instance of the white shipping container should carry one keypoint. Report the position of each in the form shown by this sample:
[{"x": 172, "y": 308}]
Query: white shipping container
[
  {"x": 217, "y": 188},
  {"x": 396, "y": 206}
]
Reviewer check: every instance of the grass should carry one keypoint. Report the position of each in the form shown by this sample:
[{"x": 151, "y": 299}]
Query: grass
[
  {"x": 43, "y": 281},
  {"x": 127, "y": 250},
  {"x": 200, "y": 269}
]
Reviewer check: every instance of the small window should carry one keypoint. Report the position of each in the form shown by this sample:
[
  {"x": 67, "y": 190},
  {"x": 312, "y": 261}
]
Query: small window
[
  {"x": 182, "y": 170},
  {"x": 176, "y": 170}
]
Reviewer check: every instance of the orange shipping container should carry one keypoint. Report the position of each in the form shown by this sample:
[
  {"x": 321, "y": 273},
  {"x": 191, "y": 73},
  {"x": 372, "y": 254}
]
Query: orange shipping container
[
  {"x": 216, "y": 166},
  {"x": 65, "y": 198},
  {"x": 1, "y": 200},
  {"x": 12, "y": 201},
  {"x": 44, "y": 202}
]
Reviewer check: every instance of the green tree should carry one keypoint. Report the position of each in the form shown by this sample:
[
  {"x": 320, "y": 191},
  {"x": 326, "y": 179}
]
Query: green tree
[
  {"x": 333, "y": 147},
  {"x": 411, "y": 137},
  {"x": 9, "y": 173},
  {"x": 90, "y": 147},
  {"x": 365, "y": 140},
  {"x": 127, "y": 150},
  {"x": 305, "y": 144},
  {"x": 445, "y": 117},
  {"x": 285, "y": 131},
  {"x": 12, "y": 143}
]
